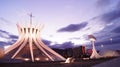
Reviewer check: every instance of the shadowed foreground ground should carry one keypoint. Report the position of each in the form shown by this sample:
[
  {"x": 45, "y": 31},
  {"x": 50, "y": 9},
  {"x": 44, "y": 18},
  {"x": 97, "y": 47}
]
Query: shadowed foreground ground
[{"x": 80, "y": 63}]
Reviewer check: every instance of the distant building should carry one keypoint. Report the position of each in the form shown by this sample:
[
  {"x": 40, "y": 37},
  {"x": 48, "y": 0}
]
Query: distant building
[
  {"x": 89, "y": 52},
  {"x": 77, "y": 52}
]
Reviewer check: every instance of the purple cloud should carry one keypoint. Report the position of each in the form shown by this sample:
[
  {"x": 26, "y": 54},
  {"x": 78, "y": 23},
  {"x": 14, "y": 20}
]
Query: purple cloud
[
  {"x": 5, "y": 20},
  {"x": 110, "y": 16},
  {"x": 46, "y": 42},
  {"x": 116, "y": 30},
  {"x": 109, "y": 42},
  {"x": 101, "y": 3},
  {"x": 4, "y": 34},
  {"x": 7, "y": 35},
  {"x": 63, "y": 45},
  {"x": 73, "y": 27}
]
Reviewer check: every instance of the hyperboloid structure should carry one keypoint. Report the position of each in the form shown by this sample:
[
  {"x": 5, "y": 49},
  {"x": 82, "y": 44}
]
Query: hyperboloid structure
[{"x": 29, "y": 46}]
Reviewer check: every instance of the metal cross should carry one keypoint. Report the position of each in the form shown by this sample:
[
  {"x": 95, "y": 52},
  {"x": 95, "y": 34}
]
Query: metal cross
[{"x": 31, "y": 18}]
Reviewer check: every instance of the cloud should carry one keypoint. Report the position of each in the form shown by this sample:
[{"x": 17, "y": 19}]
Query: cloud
[
  {"x": 5, "y": 20},
  {"x": 4, "y": 34},
  {"x": 110, "y": 16},
  {"x": 46, "y": 42},
  {"x": 118, "y": 5},
  {"x": 107, "y": 5},
  {"x": 116, "y": 37},
  {"x": 116, "y": 30},
  {"x": 73, "y": 27},
  {"x": 4, "y": 31},
  {"x": 109, "y": 37},
  {"x": 13, "y": 36},
  {"x": 7, "y": 38},
  {"x": 7, "y": 35},
  {"x": 109, "y": 42},
  {"x": 107, "y": 17},
  {"x": 63, "y": 45},
  {"x": 3, "y": 43},
  {"x": 76, "y": 38},
  {"x": 103, "y": 3},
  {"x": 110, "y": 21},
  {"x": 67, "y": 45}
]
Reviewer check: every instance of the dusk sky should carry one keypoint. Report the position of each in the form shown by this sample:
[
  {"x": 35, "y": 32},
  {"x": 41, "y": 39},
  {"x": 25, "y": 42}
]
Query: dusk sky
[{"x": 67, "y": 23}]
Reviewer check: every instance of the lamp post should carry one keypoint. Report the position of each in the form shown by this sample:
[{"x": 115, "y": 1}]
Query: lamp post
[{"x": 94, "y": 52}]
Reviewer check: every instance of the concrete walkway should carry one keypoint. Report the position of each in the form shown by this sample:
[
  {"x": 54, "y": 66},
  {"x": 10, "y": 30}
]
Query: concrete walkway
[{"x": 112, "y": 63}]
